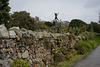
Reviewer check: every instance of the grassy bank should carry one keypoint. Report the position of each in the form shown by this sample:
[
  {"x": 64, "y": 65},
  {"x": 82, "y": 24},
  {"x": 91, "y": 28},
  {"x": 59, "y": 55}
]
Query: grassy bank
[
  {"x": 70, "y": 63},
  {"x": 82, "y": 48}
]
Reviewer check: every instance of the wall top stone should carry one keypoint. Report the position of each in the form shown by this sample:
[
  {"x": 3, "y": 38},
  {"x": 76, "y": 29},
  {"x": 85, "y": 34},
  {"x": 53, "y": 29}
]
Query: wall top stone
[{"x": 3, "y": 32}]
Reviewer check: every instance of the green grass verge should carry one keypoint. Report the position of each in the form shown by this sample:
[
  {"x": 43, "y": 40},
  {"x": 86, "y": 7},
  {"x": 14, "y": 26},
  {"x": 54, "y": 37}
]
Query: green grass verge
[
  {"x": 93, "y": 43},
  {"x": 70, "y": 63}
]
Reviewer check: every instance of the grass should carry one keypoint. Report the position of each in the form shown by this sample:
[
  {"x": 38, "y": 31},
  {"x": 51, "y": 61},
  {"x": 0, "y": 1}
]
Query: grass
[
  {"x": 93, "y": 42},
  {"x": 70, "y": 63}
]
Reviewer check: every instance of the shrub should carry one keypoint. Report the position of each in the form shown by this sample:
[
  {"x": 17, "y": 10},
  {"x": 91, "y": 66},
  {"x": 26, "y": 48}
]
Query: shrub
[
  {"x": 93, "y": 43},
  {"x": 20, "y": 63},
  {"x": 73, "y": 51},
  {"x": 54, "y": 63},
  {"x": 82, "y": 48},
  {"x": 58, "y": 42},
  {"x": 64, "y": 50},
  {"x": 69, "y": 55}
]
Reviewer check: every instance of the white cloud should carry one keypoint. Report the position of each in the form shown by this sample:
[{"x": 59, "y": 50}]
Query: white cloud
[{"x": 87, "y": 10}]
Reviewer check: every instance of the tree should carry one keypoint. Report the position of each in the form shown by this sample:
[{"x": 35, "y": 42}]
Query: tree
[
  {"x": 37, "y": 22},
  {"x": 48, "y": 24},
  {"x": 78, "y": 26},
  {"x": 22, "y": 19},
  {"x": 77, "y": 23},
  {"x": 94, "y": 27},
  {"x": 4, "y": 12}
]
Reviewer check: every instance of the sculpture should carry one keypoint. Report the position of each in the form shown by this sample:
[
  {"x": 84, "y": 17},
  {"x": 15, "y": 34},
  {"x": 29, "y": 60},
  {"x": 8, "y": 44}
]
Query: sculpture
[{"x": 54, "y": 23}]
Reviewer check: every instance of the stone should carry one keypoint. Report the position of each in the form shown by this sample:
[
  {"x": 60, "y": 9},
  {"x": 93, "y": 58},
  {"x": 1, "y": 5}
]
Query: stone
[
  {"x": 14, "y": 28},
  {"x": 11, "y": 50},
  {"x": 3, "y": 32},
  {"x": 57, "y": 35},
  {"x": 8, "y": 62},
  {"x": 17, "y": 31},
  {"x": 0, "y": 41},
  {"x": 8, "y": 50},
  {"x": 25, "y": 54},
  {"x": 1, "y": 46},
  {"x": 19, "y": 55},
  {"x": 30, "y": 33},
  {"x": 30, "y": 51},
  {"x": 39, "y": 55},
  {"x": 0, "y": 55},
  {"x": 38, "y": 35},
  {"x": 79, "y": 37},
  {"x": 23, "y": 30},
  {"x": 37, "y": 59},
  {"x": 30, "y": 61},
  {"x": 14, "y": 56},
  {"x": 45, "y": 34},
  {"x": 8, "y": 56},
  {"x": 49, "y": 57},
  {"x": 13, "y": 45},
  {"x": 52, "y": 35},
  {"x": 38, "y": 45},
  {"x": 33, "y": 56},
  {"x": 12, "y": 34},
  {"x": 73, "y": 43},
  {"x": 23, "y": 50}
]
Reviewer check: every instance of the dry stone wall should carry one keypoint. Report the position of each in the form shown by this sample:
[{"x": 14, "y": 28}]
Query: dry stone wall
[
  {"x": 34, "y": 47},
  {"x": 33, "y": 53}
]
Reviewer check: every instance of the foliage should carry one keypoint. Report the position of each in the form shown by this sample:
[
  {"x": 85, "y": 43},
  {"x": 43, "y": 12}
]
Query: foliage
[
  {"x": 94, "y": 27},
  {"x": 64, "y": 26},
  {"x": 4, "y": 12},
  {"x": 70, "y": 63},
  {"x": 58, "y": 57},
  {"x": 82, "y": 47},
  {"x": 77, "y": 26},
  {"x": 58, "y": 42},
  {"x": 77, "y": 23},
  {"x": 54, "y": 63},
  {"x": 64, "y": 50},
  {"x": 37, "y": 23},
  {"x": 46, "y": 43},
  {"x": 69, "y": 56},
  {"x": 48, "y": 24},
  {"x": 22, "y": 19},
  {"x": 20, "y": 63},
  {"x": 57, "y": 49},
  {"x": 70, "y": 53},
  {"x": 30, "y": 40}
]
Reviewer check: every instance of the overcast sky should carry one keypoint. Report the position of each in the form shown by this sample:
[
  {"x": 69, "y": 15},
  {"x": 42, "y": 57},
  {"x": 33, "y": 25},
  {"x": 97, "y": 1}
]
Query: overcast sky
[{"x": 86, "y": 10}]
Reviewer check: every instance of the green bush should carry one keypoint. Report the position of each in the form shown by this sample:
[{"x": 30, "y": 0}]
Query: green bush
[
  {"x": 20, "y": 63},
  {"x": 83, "y": 47},
  {"x": 93, "y": 43}
]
